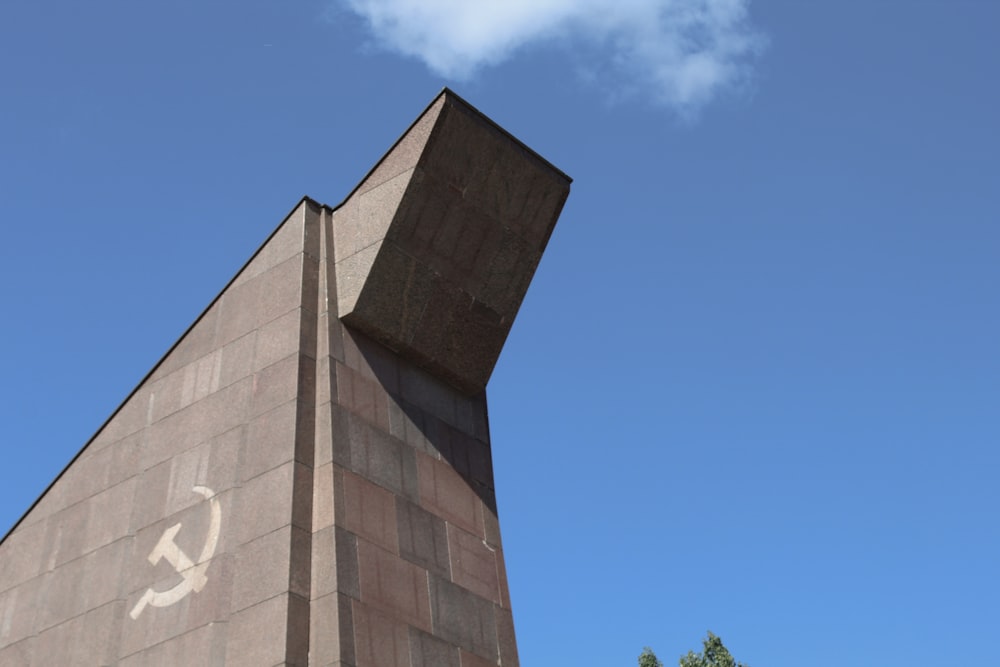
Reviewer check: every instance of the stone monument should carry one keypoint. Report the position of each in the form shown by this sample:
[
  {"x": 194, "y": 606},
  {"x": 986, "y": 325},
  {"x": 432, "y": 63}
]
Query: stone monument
[{"x": 305, "y": 478}]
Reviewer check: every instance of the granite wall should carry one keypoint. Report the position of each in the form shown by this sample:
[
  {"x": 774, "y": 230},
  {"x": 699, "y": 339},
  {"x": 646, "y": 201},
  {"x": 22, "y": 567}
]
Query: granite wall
[{"x": 306, "y": 477}]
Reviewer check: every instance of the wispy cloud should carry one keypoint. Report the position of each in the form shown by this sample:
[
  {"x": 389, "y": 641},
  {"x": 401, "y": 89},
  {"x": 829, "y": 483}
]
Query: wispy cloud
[{"x": 679, "y": 52}]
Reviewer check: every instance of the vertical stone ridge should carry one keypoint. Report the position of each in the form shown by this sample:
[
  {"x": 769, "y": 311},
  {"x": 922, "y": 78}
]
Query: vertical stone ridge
[
  {"x": 331, "y": 626},
  {"x": 300, "y": 546}
]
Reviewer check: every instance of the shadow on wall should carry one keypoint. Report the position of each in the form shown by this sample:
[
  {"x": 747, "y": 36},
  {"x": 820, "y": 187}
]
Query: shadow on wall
[{"x": 435, "y": 417}]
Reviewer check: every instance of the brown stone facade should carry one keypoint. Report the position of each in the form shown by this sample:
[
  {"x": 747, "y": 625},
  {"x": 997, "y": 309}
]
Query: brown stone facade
[{"x": 306, "y": 477}]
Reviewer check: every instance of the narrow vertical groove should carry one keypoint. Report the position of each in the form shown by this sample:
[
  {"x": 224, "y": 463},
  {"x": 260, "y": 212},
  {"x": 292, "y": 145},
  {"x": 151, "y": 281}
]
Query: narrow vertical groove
[
  {"x": 300, "y": 558},
  {"x": 328, "y": 615},
  {"x": 319, "y": 646}
]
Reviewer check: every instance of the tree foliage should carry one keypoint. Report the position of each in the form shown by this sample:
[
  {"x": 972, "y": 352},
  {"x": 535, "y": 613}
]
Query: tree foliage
[
  {"x": 713, "y": 654},
  {"x": 648, "y": 659}
]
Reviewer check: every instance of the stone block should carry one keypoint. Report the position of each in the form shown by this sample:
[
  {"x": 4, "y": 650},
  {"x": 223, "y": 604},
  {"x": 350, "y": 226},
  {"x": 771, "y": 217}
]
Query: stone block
[
  {"x": 373, "y": 361},
  {"x": 128, "y": 419},
  {"x": 89, "y": 639},
  {"x": 344, "y": 234},
  {"x": 505, "y": 638},
  {"x": 239, "y": 310},
  {"x": 279, "y": 383},
  {"x": 323, "y": 499},
  {"x": 421, "y": 389},
  {"x": 168, "y": 487},
  {"x": 398, "y": 419},
  {"x": 323, "y": 451},
  {"x": 287, "y": 241},
  {"x": 237, "y": 359},
  {"x": 297, "y": 637},
  {"x": 470, "y": 416},
  {"x": 83, "y": 584},
  {"x": 346, "y": 565},
  {"x": 283, "y": 289},
  {"x": 20, "y": 653},
  {"x": 302, "y": 493},
  {"x": 265, "y": 503},
  {"x": 381, "y": 458},
  {"x": 213, "y": 415},
  {"x": 203, "y": 645},
  {"x": 345, "y": 611},
  {"x": 423, "y": 538},
  {"x": 213, "y": 604},
  {"x": 196, "y": 342},
  {"x": 370, "y": 512},
  {"x": 20, "y": 609},
  {"x": 370, "y": 226},
  {"x": 21, "y": 555},
  {"x": 110, "y": 512},
  {"x": 471, "y": 458},
  {"x": 445, "y": 493},
  {"x": 61, "y": 594},
  {"x": 324, "y": 630},
  {"x": 300, "y": 565},
  {"x": 87, "y": 477},
  {"x": 184, "y": 386},
  {"x": 247, "y": 306},
  {"x": 65, "y": 535},
  {"x": 280, "y": 338},
  {"x": 103, "y": 573},
  {"x": 262, "y": 570},
  {"x": 310, "y": 297},
  {"x": 114, "y": 464},
  {"x": 393, "y": 585},
  {"x": 504, "y": 601},
  {"x": 334, "y": 338},
  {"x": 379, "y": 639},
  {"x": 271, "y": 439},
  {"x": 351, "y": 274},
  {"x": 473, "y": 660},
  {"x": 429, "y": 651},
  {"x": 362, "y": 396},
  {"x": 323, "y": 580},
  {"x": 408, "y": 150},
  {"x": 463, "y": 618},
  {"x": 473, "y": 564},
  {"x": 421, "y": 430},
  {"x": 491, "y": 526},
  {"x": 257, "y": 635},
  {"x": 336, "y": 430},
  {"x": 324, "y": 385}
]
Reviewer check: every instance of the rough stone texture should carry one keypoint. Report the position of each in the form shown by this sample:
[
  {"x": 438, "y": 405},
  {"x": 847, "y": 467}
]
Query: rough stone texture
[
  {"x": 440, "y": 242},
  {"x": 315, "y": 484}
]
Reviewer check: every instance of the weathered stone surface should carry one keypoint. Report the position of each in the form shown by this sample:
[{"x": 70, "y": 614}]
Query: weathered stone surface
[
  {"x": 442, "y": 251},
  {"x": 306, "y": 476},
  {"x": 429, "y": 651},
  {"x": 463, "y": 618},
  {"x": 423, "y": 538}
]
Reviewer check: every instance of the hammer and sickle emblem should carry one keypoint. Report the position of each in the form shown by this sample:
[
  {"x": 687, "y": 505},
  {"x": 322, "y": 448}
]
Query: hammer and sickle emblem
[{"x": 192, "y": 573}]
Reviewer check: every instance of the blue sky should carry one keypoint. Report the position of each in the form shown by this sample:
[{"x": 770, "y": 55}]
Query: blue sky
[{"x": 755, "y": 385}]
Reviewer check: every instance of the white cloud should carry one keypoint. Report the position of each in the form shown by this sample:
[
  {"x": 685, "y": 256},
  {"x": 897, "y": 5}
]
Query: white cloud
[{"x": 679, "y": 52}]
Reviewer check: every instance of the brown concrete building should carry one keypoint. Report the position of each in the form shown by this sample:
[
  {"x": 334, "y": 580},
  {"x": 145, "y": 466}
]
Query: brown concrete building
[{"x": 306, "y": 478}]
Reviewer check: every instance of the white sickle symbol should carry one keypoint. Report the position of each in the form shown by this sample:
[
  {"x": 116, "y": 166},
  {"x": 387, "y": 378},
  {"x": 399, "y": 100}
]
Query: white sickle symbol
[{"x": 193, "y": 573}]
